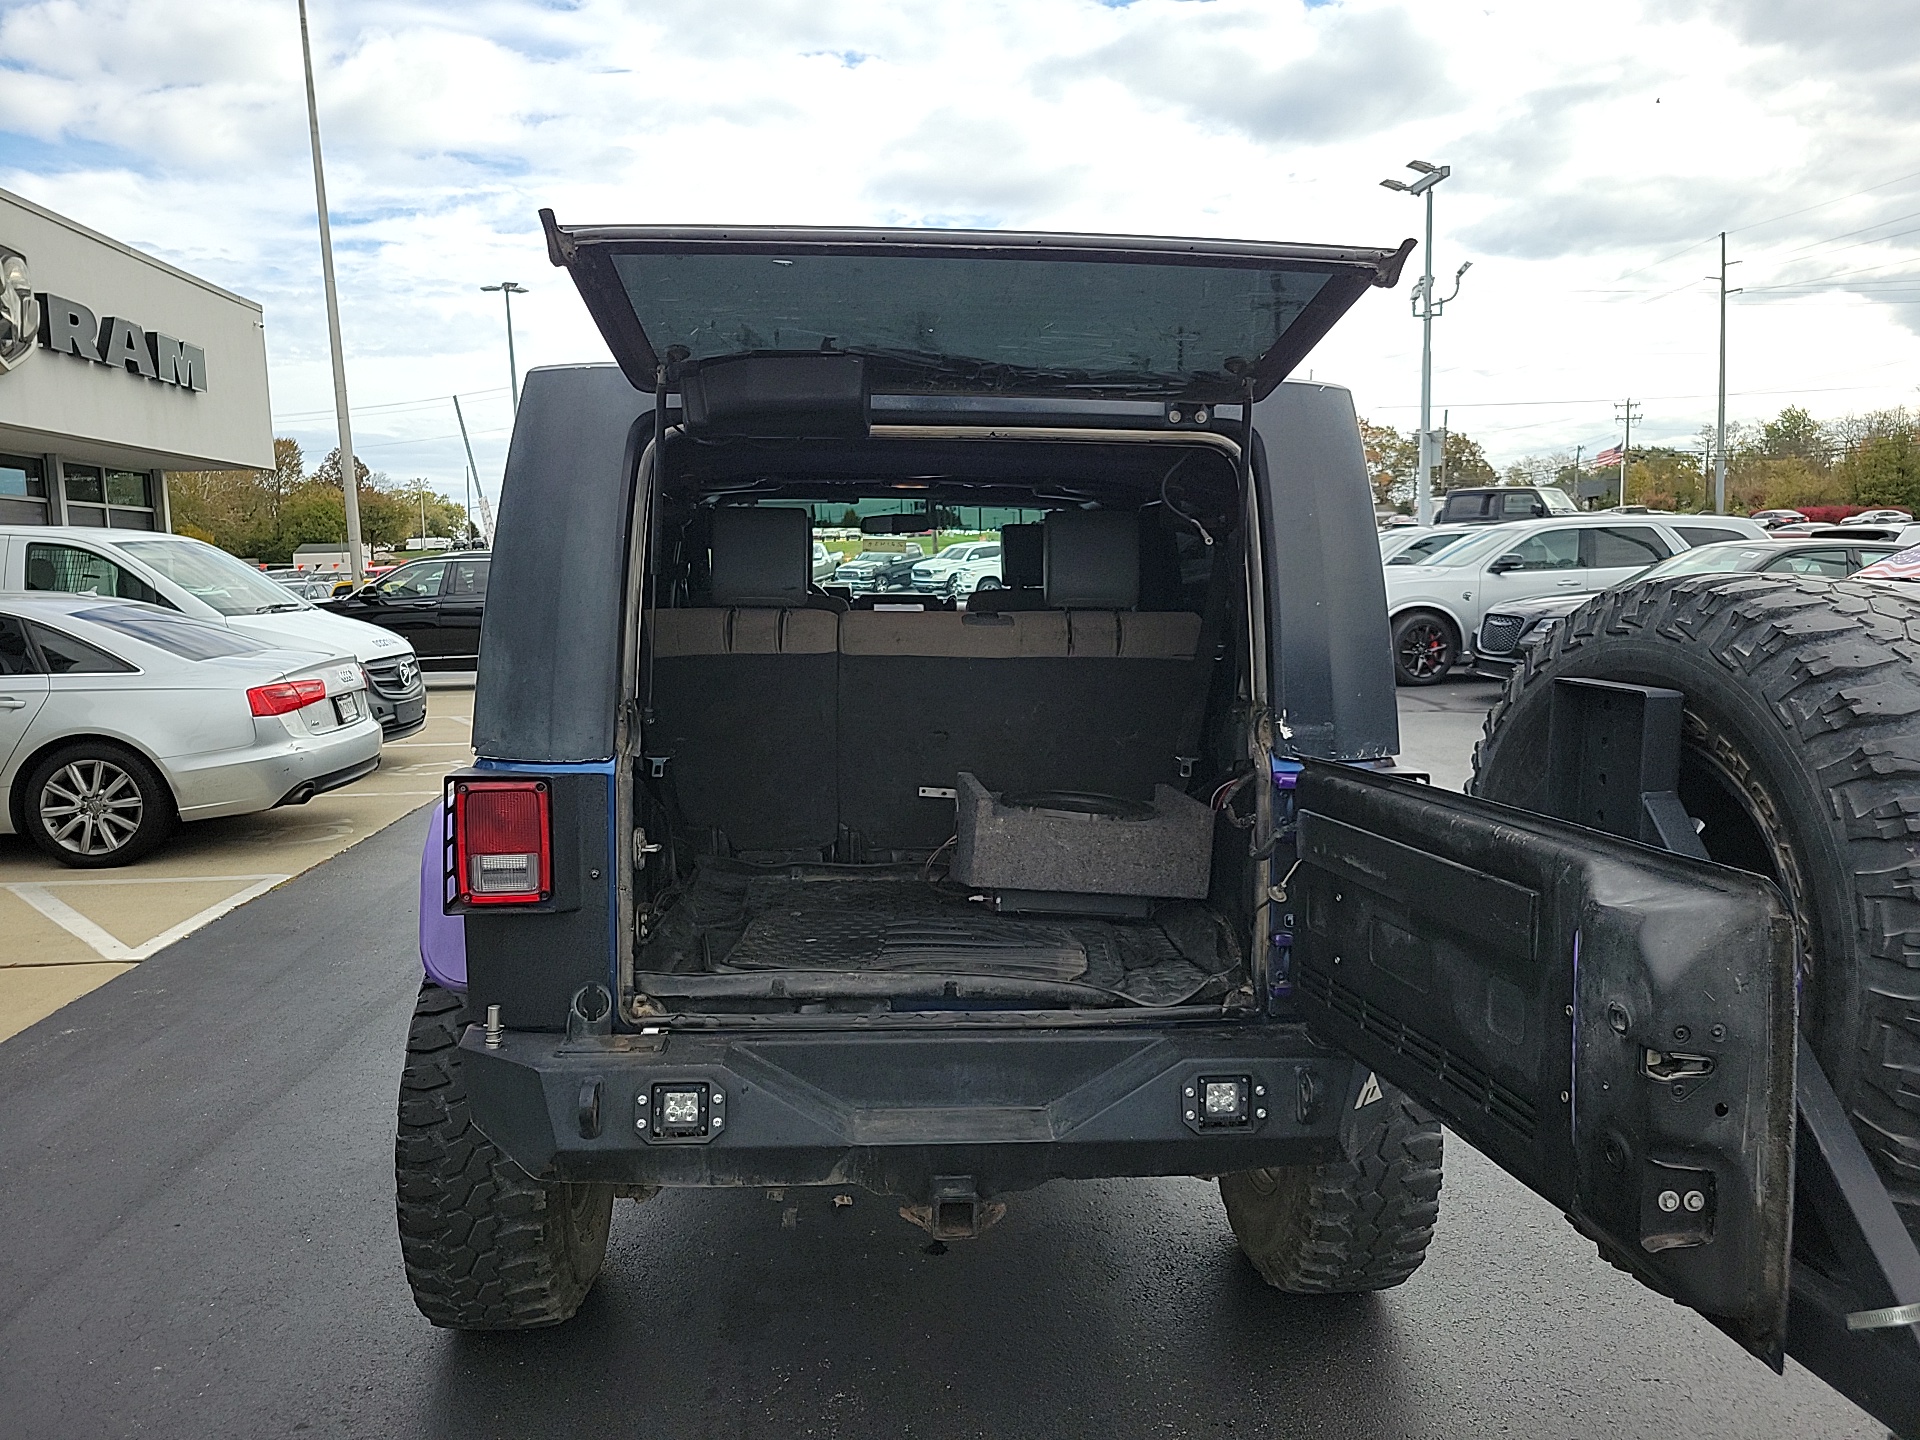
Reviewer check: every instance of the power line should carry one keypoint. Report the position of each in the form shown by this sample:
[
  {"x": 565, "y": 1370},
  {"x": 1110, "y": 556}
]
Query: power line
[
  {"x": 1658, "y": 399},
  {"x": 391, "y": 405},
  {"x": 1772, "y": 220}
]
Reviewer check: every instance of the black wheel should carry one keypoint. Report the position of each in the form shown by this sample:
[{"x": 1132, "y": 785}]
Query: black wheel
[
  {"x": 1425, "y": 645},
  {"x": 487, "y": 1247},
  {"x": 94, "y": 804},
  {"x": 1800, "y": 755},
  {"x": 1356, "y": 1224}
]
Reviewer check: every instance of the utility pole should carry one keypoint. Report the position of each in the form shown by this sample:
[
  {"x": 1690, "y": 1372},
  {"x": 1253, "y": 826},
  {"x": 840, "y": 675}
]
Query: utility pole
[
  {"x": 486, "y": 513},
  {"x": 1425, "y": 307},
  {"x": 1720, "y": 421},
  {"x": 349, "y": 471},
  {"x": 508, "y": 289},
  {"x": 1629, "y": 411}
]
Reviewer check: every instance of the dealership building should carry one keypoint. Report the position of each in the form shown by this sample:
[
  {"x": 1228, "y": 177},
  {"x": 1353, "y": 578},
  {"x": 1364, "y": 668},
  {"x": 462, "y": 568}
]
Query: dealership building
[{"x": 115, "y": 368}]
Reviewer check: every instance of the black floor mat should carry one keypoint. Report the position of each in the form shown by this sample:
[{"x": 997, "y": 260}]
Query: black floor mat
[{"x": 736, "y": 918}]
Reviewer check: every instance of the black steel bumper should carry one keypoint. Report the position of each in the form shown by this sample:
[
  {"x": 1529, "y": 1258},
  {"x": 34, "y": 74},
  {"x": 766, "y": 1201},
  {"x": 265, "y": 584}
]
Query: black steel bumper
[{"x": 1005, "y": 1110}]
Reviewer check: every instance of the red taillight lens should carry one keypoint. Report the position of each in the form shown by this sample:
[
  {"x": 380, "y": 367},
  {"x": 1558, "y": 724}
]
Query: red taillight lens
[
  {"x": 285, "y": 695},
  {"x": 502, "y": 842}
]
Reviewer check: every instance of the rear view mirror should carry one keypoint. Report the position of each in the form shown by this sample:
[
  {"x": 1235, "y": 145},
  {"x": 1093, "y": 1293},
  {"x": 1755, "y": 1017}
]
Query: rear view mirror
[
  {"x": 1504, "y": 564},
  {"x": 914, "y": 522}
]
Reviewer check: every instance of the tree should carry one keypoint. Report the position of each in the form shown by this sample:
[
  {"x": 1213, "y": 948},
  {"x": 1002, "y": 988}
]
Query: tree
[
  {"x": 1794, "y": 434},
  {"x": 1885, "y": 471},
  {"x": 1392, "y": 459},
  {"x": 1464, "y": 463},
  {"x": 329, "y": 471}
]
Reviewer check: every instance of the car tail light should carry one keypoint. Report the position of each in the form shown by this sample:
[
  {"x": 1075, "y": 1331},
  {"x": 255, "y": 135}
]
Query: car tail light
[
  {"x": 502, "y": 842},
  {"x": 285, "y": 695}
]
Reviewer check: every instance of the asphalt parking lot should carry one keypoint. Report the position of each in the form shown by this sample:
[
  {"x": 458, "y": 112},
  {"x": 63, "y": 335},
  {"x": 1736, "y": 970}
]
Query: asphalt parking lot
[
  {"x": 200, "y": 1242},
  {"x": 71, "y": 930}
]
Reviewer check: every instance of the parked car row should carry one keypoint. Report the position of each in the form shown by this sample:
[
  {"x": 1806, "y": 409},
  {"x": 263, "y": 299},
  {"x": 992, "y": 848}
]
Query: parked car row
[
  {"x": 148, "y": 679},
  {"x": 1509, "y": 631},
  {"x": 121, "y": 718},
  {"x": 1437, "y": 604}
]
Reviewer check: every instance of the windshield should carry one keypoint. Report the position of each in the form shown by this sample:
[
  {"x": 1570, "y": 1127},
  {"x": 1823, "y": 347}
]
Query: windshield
[
  {"x": 1427, "y": 546},
  {"x": 211, "y": 575},
  {"x": 1473, "y": 547}
]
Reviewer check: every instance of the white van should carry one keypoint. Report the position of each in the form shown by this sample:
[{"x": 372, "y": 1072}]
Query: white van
[{"x": 202, "y": 580}]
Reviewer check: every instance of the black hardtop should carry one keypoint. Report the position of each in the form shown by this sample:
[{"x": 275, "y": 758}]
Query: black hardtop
[{"x": 969, "y": 312}]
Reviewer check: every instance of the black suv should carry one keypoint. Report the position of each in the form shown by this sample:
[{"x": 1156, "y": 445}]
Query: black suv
[
  {"x": 1093, "y": 878},
  {"x": 436, "y": 604},
  {"x": 1502, "y": 504}
]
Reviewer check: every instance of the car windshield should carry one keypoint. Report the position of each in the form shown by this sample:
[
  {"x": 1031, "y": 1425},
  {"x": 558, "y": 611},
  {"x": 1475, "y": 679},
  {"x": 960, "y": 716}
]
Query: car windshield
[
  {"x": 1707, "y": 560},
  {"x": 1428, "y": 546},
  {"x": 171, "y": 631},
  {"x": 211, "y": 575},
  {"x": 1473, "y": 547}
]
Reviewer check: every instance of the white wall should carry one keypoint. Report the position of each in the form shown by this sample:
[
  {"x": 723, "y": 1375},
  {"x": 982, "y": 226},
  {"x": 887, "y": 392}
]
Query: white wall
[{"x": 54, "y": 403}]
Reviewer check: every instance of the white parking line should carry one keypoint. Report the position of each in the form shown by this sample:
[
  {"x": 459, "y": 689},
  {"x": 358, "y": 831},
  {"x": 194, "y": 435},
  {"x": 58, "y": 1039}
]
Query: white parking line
[{"x": 39, "y": 895}]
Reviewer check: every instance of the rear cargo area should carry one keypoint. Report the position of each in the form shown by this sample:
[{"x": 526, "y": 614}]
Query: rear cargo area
[
  {"x": 920, "y": 934},
  {"x": 920, "y": 800}
]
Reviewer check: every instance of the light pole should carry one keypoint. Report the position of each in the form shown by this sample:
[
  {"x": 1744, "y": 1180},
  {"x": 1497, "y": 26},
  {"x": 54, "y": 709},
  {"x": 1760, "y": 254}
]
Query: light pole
[
  {"x": 349, "y": 471},
  {"x": 1425, "y": 307},
  {"x": 508, "y": 289}
]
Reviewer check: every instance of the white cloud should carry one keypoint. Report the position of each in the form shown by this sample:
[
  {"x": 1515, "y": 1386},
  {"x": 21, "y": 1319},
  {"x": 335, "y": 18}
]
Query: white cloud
[{"x": 1589, "y": 143}]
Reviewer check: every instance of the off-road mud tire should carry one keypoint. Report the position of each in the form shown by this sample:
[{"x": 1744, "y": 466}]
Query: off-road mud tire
[
  {"x": 1803, "y": 707},
  {"x": 1356, "y": 1224},
  {"x": 487, "y": 1247}
]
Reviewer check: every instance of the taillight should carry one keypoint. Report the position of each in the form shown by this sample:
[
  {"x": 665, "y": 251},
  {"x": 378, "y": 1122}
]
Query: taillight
[
  {"x": 502, "y": 842},
  {"x": 285, "y": 695}
]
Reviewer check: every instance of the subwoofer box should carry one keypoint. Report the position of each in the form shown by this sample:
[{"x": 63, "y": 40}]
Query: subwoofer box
[{"x": 1083, "y": 845}]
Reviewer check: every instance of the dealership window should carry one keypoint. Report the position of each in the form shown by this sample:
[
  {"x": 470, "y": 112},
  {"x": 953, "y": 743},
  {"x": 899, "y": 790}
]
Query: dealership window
[
  {"x": 120, "y": 498},
  {"x": 23, "y": 490}
]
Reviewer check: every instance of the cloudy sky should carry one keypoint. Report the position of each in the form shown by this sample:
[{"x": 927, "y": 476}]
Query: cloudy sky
[{"x": 1597, "y": 150}]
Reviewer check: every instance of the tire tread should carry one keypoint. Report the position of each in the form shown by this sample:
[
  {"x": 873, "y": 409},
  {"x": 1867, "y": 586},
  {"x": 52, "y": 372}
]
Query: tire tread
[
  {"x": 486, "y": 1246},
  {"x": 1836, "y": 664}
]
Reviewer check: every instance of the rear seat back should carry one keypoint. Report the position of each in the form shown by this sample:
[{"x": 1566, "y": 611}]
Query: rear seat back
[
  {"x": 743, "y": 690},
  {"x": 1087, "y": 698}
]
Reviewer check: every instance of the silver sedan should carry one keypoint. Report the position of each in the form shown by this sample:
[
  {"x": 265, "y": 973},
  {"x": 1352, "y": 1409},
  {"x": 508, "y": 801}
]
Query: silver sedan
[{"x": 118, "y": 720}]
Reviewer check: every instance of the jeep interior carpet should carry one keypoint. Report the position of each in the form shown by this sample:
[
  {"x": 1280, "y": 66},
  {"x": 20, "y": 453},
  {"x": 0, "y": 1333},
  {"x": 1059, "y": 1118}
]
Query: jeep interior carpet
[{"x": 734, "y": 918}]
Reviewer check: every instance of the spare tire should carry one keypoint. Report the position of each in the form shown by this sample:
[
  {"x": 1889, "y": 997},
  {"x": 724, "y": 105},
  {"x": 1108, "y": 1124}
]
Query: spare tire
[{"x": 1800, "y": 760}]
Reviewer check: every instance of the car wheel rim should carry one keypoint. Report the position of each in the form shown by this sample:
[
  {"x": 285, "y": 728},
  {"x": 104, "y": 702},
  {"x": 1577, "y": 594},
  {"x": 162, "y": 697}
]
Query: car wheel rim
[
  {"x": 1423, "y": 650},
  {"x": 91, "y": 807}
]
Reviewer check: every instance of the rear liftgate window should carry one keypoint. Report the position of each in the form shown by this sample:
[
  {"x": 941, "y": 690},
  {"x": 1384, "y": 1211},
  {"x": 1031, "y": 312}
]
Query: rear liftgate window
[{"x": 973, "y": 317}]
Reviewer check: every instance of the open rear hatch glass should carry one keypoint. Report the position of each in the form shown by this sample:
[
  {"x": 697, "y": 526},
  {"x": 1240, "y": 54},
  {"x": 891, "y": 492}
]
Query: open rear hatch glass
[{"x": 970, "y": 312}]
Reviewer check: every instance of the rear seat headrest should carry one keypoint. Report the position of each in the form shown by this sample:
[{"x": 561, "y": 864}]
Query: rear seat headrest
[
  {"x": 1092, "y": 559},
  {"x": 1023, "y": 564},
  {"x": 761, "y": 557}
]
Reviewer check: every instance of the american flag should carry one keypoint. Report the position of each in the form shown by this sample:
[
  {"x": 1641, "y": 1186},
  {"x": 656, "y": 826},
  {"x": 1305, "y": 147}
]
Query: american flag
[
  {"x": 1903, "y": 566},
  {"x": 1609, "y": 456}
]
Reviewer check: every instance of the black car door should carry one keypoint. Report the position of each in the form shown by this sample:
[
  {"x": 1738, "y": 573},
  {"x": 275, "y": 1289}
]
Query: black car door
[
  {"x": 407, "y": 602},
  {"x": 1613, "y": 1025},
  {"x": 462, "y": 600}
]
